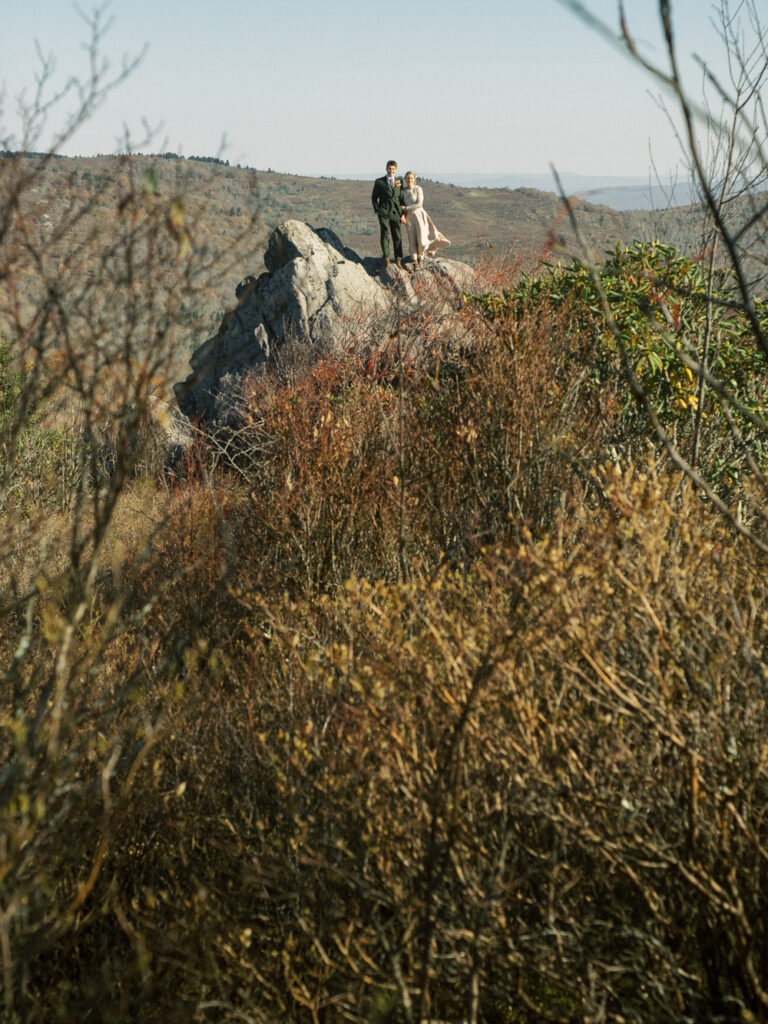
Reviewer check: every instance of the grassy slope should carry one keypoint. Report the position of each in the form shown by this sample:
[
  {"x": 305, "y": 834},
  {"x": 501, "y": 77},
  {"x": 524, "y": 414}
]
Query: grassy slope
[{"x": 221, "y": 199}]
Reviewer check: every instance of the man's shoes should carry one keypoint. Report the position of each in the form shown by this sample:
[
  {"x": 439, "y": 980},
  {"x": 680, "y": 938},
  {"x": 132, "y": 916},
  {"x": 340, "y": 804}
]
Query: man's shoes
[
  {"x": 386, "y": 261},
  {"x": 399, "y": 262}
]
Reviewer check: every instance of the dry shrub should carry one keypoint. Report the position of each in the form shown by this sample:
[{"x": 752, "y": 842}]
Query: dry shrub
[
  {"x": 321, "y": 495},
  {"x": 502, "y": 438},
  {"x": 539, "y": 787},
  {"x": 88, "y": 330},
  {"x": 532, "y": 789},
  {"x": 357, "y": 475}
]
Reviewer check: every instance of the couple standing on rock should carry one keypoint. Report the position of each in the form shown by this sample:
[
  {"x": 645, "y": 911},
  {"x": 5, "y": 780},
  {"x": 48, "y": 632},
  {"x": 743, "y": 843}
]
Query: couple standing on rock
[{"x": 395, "y": 204}]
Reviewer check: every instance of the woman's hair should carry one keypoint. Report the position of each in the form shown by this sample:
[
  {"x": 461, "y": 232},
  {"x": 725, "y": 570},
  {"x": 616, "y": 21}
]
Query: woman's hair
[{"x": 410, "y": 172}]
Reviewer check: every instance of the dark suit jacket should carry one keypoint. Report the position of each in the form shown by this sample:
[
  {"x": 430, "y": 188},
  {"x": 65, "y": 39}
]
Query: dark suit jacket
[{"x": 388, "y": 203}]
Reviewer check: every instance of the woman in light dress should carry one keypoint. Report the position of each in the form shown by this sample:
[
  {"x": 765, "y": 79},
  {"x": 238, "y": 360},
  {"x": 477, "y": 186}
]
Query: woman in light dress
[{"x": 423, "y": 237}]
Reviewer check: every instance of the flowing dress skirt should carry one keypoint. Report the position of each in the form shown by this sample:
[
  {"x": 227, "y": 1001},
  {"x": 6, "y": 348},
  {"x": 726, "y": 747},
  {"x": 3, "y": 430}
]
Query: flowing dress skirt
[{"x": 423, "y": 236}]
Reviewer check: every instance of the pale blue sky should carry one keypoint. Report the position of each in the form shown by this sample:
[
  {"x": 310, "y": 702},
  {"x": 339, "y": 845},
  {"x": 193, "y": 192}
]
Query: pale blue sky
[{"x": 339, "y": 86}]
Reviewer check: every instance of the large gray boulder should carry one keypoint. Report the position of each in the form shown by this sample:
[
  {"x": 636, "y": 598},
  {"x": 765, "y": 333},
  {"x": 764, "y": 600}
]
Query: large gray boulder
[{"x": 318, "y": 294}]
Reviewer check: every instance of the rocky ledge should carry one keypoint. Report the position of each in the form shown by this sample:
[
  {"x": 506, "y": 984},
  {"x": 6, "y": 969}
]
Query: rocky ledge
[{"x": 318, "y": 294}]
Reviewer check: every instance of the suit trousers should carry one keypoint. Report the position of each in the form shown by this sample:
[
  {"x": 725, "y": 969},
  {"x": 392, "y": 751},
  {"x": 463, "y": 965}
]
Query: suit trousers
[{"x": 392, "y": 227}]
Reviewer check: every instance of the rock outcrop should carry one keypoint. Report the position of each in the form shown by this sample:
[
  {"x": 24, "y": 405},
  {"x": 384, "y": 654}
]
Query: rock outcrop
[{"x": 318, "y": 294}]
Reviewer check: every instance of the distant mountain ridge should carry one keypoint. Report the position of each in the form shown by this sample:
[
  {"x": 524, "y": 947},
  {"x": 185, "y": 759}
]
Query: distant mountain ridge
[{"x": 617, "y": 192}]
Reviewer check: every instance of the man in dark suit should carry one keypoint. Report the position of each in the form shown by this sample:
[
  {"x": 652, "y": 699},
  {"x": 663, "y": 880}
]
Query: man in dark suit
[{"x": 389, "y": 207}]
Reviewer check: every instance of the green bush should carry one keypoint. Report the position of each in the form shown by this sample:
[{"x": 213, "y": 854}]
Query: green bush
[{"x": 662, "y": 307}]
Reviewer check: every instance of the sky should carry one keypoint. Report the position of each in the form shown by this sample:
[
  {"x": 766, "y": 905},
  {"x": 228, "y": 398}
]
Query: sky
[{"x": 338, "y": 87}]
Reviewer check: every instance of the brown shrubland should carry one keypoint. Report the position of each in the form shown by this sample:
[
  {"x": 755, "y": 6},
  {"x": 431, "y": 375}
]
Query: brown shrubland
[{"x": 431, "y": 707}]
